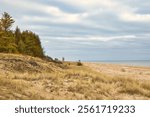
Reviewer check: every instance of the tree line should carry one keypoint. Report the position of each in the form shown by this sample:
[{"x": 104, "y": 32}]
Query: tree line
[{"x": 17, "y": 41}]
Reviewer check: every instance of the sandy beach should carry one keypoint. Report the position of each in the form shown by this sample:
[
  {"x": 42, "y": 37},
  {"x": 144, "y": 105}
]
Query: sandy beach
[{"x": 142, "y": 73}]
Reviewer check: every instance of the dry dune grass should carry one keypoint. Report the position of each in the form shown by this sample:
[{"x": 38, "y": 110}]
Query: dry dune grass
[{"x": 48, "y": 80}]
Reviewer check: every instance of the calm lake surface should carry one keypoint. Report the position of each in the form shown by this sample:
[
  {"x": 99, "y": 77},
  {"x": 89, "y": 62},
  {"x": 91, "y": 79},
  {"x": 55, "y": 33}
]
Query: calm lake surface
[{"x": 127, "y": 62}]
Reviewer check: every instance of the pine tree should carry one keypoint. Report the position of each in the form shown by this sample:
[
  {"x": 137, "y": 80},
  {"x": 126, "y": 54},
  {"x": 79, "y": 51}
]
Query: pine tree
[
  {"x": 7, "y": 43},
  {"x": 6, "y": 21},
  {"x": 25, "y": 42},
  {"x": 17, "y": 35},
  {"x": 21, "y": 47}
]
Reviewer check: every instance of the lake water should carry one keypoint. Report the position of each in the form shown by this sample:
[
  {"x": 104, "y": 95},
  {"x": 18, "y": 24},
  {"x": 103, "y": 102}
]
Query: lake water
[{"x": 128, "y": 62}]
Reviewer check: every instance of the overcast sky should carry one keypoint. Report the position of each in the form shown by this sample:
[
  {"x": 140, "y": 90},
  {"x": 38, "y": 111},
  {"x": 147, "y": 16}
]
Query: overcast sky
[{"x": 86, "y": 29}]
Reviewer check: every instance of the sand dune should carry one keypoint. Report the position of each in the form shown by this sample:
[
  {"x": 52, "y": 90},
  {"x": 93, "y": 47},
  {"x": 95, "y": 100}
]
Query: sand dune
[{"x": 24, "y": 77}]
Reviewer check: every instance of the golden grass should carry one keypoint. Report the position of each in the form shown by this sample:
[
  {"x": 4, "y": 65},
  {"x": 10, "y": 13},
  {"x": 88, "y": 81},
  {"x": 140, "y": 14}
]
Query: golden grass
[{"x": 67, "y": 81}]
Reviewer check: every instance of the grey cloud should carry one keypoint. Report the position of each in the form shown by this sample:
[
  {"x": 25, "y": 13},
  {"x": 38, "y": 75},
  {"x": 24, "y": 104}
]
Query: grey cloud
[{"x": 105, "y": 23}]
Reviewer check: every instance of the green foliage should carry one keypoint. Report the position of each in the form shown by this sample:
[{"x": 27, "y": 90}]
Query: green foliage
[
  {"x": 7, "y": 43},
  {"x": 25, "y": 42},
  {"x": 6, "y": 21},
  {"x": 32, "y": 44}
]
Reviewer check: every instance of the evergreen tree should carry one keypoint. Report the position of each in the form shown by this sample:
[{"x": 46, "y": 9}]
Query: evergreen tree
[
  {"x": 6, "y": 21},
  {"x": 7, "y": 43},
  {"x": 21, "y": 47},
  {"x": 17, "y": 35},
  {"x": 25, "y": 42}
]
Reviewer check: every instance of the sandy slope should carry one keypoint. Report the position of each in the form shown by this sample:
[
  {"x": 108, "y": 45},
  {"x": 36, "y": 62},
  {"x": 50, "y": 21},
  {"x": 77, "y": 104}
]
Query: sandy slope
[{"x": 26, "y": 77}]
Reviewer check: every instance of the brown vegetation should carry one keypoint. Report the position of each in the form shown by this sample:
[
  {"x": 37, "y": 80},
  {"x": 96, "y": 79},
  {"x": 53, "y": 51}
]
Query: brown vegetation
[{"x": 25, "y": 77}]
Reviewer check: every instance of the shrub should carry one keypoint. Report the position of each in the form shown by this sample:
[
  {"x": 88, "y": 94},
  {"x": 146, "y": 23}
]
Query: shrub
[{"x": 79, "y": 63}]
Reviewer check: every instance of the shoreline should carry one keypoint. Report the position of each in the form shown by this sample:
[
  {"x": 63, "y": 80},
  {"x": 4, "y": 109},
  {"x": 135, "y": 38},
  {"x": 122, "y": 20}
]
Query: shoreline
[{"x": 121, "y": 62}]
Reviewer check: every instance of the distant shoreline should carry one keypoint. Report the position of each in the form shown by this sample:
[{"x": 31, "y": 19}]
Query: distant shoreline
[{"x": 135, "y": 63}]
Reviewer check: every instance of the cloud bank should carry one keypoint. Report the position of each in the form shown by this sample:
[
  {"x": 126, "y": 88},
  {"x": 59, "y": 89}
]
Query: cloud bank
[{"x": 86, "y": 29}]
